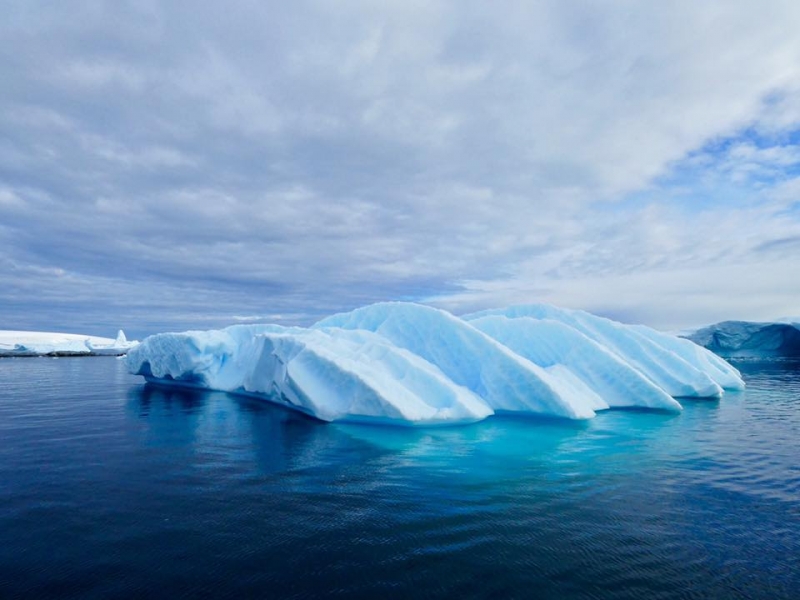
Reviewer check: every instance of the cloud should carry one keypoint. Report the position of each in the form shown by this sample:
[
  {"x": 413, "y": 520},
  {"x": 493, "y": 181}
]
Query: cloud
[{"x": 181, "y": 165}]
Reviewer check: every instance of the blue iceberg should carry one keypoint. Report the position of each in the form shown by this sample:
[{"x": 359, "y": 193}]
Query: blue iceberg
[
  {"x": 413, "y": 364},
  {"x": 746, "y": 339}
]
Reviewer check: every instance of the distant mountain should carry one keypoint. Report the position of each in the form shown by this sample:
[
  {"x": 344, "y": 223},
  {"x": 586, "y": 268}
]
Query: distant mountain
[{"x": 732, "y": 339}]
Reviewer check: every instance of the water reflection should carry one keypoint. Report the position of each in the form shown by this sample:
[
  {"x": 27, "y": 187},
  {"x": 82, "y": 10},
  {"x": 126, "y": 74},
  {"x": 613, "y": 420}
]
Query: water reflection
[
  {"x": 273, "y": 439},
  {"x": 250, "y": 439},
  {"x": 228, "y": 428},
  {"x": 171, "y": 415},
  {"x": 231, "y": 431},
  {"x": 150, "y": 397},
  {"x": 282, "y": 440}
]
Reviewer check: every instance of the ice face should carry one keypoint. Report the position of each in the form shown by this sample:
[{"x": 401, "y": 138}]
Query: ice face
[
  {"x": 747, "y": 339},
  {"x": 413, "y": 364}
]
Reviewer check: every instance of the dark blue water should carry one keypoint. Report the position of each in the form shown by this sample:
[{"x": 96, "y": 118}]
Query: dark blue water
[{"x": 109, "y": 488}]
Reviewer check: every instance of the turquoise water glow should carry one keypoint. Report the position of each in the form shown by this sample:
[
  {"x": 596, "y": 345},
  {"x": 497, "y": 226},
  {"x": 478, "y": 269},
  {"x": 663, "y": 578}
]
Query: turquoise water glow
[{"x": 113, "y": 488}]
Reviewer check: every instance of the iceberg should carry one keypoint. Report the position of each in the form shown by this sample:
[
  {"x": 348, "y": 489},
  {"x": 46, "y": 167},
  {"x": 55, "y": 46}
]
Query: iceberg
[
  {"x": 42, "y": 343},
  {"x": 503, "y": 378},
  {"x": 608, "y": 376},
  {"x": 745, "y": 339},
  {"x": 679, "y": 374},
  {"x": 406, "y": 363},
  {"x": 331, "y": 375}
]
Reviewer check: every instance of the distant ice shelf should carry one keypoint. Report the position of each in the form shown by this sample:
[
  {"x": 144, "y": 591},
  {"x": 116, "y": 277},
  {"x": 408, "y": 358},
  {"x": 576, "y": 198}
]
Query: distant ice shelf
[
  {"x": 42, "y": 343},
  {"x": 413, "y": 364}
]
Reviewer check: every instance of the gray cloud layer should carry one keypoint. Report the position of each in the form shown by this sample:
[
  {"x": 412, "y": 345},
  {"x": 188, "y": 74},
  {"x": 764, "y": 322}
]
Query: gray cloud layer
[{"x": 178, "y": 166}]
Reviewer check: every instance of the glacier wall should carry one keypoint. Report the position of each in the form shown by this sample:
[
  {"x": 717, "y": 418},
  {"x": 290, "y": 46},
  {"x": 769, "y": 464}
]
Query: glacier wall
[{"x": 413, "y": 364}]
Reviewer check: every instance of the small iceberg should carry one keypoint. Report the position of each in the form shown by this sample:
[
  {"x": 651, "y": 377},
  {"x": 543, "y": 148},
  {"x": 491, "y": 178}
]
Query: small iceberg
[
  {"x": 745, "y": 339},
  {"x": 43, "y": 343}
]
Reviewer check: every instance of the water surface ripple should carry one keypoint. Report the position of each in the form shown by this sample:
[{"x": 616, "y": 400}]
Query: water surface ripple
[{"x": 109, "y": 488}]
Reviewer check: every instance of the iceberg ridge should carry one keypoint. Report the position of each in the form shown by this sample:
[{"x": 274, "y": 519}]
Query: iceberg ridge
[{"x": 413, "y": 364}]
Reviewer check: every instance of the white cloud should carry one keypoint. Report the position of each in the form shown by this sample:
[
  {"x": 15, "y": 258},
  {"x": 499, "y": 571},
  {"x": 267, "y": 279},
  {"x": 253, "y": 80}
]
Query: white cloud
[
  {"x": 297, "y": 158},
  {"x": 101, "y": 73},
  {"x": 10, "y": 200}
]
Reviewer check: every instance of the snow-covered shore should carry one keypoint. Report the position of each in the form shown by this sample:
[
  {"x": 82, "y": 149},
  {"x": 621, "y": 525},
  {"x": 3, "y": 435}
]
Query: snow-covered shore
[{"x": 45, "y": 343}]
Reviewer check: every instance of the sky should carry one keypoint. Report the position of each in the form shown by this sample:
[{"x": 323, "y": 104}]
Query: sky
[{"x": 167, "y": 166}]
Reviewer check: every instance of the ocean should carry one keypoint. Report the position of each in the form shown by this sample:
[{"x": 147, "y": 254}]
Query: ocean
[{"x": 110, "y": 488}]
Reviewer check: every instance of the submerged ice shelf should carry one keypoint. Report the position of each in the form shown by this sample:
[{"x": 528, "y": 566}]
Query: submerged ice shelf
[{"x": 408, "y": 363}]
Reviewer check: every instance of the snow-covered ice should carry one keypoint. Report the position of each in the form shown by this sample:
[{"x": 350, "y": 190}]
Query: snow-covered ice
[
  {"x": 43, "y": 343},
  {"x": 413, "y": 364}
]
